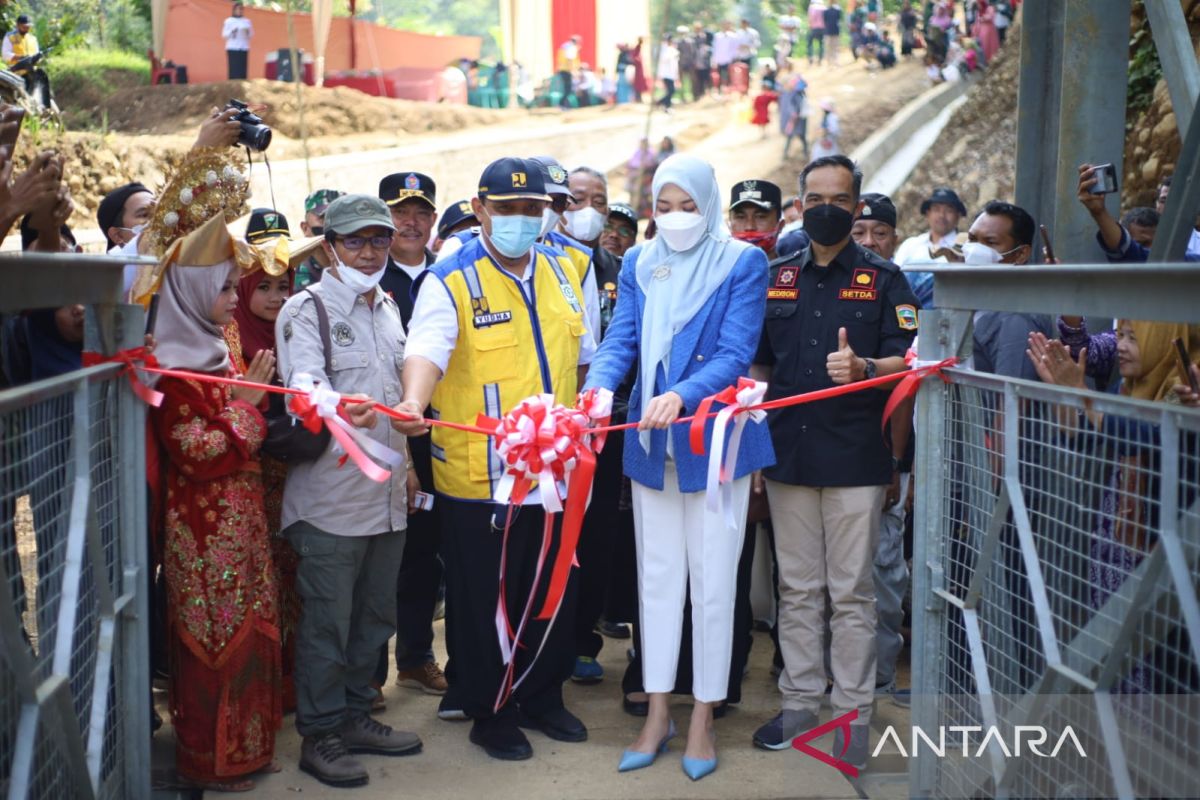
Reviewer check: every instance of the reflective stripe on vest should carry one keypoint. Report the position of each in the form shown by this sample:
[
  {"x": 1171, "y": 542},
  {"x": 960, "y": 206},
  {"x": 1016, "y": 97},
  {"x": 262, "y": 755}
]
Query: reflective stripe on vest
[{"x": 509, "y": 347}]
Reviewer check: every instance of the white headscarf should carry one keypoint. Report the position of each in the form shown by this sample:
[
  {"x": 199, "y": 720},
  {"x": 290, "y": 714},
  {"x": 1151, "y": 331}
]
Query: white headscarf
[
  {"x": 694, "y": 274},
  {"x": 187, "y": 336}
]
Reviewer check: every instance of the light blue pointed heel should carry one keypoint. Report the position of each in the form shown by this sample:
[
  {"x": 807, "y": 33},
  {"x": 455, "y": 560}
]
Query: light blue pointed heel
[
  {"x": 697, "y": 768},
  {"x": 632, "y": 759}
]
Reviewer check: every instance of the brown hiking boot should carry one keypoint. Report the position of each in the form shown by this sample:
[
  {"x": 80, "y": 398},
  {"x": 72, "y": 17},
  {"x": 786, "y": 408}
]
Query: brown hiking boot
[
  {"x": 326, "y": 758},
  {"x": 428, "y": 677},
  {"x": 363, "y": 734}
]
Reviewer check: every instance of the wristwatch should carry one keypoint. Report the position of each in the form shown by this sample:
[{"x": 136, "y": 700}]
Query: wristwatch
[{"x": 868, "y": 369}]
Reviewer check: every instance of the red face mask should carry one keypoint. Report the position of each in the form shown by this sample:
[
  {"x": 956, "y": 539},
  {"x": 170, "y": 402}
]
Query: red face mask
[{"x": 761, "y": 239}]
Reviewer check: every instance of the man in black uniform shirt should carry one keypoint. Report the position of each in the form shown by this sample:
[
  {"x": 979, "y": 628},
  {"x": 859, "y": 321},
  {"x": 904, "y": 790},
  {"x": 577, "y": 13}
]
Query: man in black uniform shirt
[
  {"x": 411, "y": 198},
  {"x": 836, "y": 313}
]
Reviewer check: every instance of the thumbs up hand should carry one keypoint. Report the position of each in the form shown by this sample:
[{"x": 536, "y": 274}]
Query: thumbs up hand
[{"x": 842, "y": 365}]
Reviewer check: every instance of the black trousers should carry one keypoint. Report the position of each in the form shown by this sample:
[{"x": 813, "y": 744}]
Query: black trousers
[
  {"x": 237, "y": 64},
  {"x": 472, "y": 535},
  {"x": 420, "y": 576},
  {"x": 743, "y": 620},
  {"x": 601, "y": 527}
]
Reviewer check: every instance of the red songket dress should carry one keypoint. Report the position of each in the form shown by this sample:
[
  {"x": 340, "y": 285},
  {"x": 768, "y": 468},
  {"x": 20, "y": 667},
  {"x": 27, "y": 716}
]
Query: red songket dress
[
  {"x": 283, "y": 556},
  {"x": 222, "y": 613}
]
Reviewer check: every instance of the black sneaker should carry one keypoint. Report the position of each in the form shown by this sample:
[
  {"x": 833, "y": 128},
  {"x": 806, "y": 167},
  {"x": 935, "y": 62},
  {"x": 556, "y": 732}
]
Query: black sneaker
[
  {"x": 451, "y": 710},
  {"x": 501, "y": 739},
  {"x": 613, "y": 630},
  {"x": 860, "y": 743},
  {"x": 783, "y": 727},
  {"x": 558, "y": 724}
]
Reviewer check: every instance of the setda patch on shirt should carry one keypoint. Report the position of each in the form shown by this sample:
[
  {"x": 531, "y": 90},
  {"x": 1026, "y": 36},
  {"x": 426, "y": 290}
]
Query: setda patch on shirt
[
  {"x": 482, "y": 315},
  {"x": 906, "y": 317},
  {"x": 862, "y": 285},
  {"x": 342, "y": 334},
  {"x": 785, "y": 285}
]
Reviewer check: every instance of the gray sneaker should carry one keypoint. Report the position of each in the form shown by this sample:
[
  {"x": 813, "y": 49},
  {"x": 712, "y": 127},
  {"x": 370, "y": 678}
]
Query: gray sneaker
[
  {"x": 860, "y": 744},
  {"x": 326, "y": 758},
  {"x": 364, "y": 734},
  {"x": 783, "y": 727}
]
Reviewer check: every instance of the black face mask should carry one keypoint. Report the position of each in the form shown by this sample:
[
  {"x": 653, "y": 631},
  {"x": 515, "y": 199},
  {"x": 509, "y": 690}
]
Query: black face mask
[{"x": 827, "y": 224}]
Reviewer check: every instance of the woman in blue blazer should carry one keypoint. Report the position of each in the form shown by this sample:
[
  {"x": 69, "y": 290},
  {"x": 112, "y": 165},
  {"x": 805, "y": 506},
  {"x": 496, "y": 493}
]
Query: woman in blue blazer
[{"x": 690, "y": 314}]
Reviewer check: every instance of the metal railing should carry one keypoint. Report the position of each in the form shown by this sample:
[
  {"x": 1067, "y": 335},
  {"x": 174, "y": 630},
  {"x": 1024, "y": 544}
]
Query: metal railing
[
  {"x": 74, "y": 669},
  {"x": 1056, "y": 555}
]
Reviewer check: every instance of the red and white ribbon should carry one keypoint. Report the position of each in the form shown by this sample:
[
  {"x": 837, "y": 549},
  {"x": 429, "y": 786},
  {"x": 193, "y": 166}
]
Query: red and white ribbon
[
  {"x": 722, "y": 464},
  {"x": 320, "y": 403}
]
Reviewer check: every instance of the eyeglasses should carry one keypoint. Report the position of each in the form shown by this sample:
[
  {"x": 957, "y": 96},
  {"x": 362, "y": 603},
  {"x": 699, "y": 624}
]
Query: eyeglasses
[
  {"x": 317, "y": 230},
  {"x": 621, "y": 230},
  {"x": 354, "y": 243}
]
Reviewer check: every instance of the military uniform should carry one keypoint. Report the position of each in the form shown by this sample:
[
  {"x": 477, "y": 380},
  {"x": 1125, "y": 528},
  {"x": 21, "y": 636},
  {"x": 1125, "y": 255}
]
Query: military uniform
[{"x": 826, "y": 490}]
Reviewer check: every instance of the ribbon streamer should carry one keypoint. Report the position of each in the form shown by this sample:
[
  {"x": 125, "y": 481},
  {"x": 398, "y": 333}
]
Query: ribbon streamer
[
  {"x": 739, "y": 401},
  {"x": 544, "y": 444},
  {"x": 321, "y": 403},
  {"x": 131, "y": 358}
]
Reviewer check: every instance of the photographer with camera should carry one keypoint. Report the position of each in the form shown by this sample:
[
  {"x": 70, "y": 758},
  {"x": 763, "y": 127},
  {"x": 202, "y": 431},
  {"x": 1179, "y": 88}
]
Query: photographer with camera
[
  {"x": 1095, "y": 183},
  {"x": 20, "y": 52}
]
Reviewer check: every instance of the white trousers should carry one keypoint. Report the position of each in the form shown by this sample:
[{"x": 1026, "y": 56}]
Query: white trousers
[{"x": 678, "y": 540}]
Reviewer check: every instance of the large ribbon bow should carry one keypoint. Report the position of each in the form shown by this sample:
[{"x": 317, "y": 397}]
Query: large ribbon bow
[
  {"x": 319, "y": 405},
  {"x": 543, "y": 443},
  {"x": 738, "y": 402},
  {"x": 132, "y": 359}
]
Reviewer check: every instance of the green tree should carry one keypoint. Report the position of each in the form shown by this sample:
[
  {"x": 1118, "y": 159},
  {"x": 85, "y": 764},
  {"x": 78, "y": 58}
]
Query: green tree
[{"x": 687, "y": 12}]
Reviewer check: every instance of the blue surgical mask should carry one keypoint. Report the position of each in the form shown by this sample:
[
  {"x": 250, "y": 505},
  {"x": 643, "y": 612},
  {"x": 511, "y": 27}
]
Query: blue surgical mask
[{"x": 514, "y": 235}]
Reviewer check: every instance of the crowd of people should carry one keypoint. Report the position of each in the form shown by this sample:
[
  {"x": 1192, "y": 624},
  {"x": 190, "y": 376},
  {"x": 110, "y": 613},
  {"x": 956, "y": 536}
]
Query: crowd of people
[{"x": 283, "y": 577}]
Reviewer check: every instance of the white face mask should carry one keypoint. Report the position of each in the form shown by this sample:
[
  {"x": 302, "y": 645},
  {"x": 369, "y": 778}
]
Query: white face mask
[
  {"x": 981, "y": 255},
  {"x": 549, "y": 221},
  {"x": 585, "y": 224},
  {"x": 357, "y": 281},
  {"x": 681, "y": 230}
]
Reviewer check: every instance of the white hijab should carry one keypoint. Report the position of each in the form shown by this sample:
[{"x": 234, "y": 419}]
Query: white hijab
[
  {"x": 187, "y": 336},
  {"x": 694, "y": 274}
]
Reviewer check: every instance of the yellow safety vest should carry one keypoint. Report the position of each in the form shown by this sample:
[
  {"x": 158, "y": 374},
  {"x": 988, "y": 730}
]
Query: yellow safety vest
[
  {"x": 580, "y": 254},
  {"x": 508, "y": 349},
  {"x": 18, "y": 42}
]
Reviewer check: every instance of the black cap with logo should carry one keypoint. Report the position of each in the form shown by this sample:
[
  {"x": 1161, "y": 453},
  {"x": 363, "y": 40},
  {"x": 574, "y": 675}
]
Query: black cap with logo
[
  {"x": 623, "y": 210},
  {"x": 454, "y": 215},
  {"x": 878, "y": 208},
  {"x": 266, "y": 223},
  {"x": 513, "y": 179},
  {"x": 400, "y": 186},
  {"x": 763, "y": 194}
]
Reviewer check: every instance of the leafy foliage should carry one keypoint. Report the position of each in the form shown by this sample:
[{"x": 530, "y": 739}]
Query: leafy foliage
[
  {"x": 84, "y": 78},
  {"x": 1145, "y": 70}
]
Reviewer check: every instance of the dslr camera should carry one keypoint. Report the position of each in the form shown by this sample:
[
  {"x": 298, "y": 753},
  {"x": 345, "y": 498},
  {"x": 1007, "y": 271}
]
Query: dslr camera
[{"x": 255, "y": 135}]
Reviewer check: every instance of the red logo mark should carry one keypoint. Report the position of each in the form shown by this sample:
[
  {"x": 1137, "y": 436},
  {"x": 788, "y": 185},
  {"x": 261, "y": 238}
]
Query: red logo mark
[
  {"x": 786, "y": 277},
  {"x": 843, "y": 722}
]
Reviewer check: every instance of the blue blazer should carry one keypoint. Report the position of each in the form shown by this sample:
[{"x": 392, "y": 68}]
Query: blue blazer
[{"x": 710, "y": 353}]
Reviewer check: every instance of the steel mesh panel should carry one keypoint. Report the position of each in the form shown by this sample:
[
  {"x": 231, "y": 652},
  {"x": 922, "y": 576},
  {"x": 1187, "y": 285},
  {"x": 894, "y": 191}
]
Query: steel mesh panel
[
  {"x": 48, "y": 556},
  {"x": 1097, "y": 486}
]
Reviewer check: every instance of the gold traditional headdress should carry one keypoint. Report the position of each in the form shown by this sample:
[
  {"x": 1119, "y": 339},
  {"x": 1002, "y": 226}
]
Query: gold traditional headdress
[{"x": 208, "y": 183}]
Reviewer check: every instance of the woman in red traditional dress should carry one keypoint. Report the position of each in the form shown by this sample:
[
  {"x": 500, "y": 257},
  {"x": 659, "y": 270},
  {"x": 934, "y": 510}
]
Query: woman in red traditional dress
[
  {"x": 223, "y": 635},
  {"x": 260, "y": 298}
]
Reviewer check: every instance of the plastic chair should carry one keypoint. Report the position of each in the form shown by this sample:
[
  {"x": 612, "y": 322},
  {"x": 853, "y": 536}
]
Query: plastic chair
[{"x": 158, "y": 71}]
